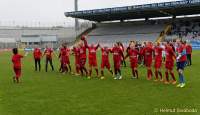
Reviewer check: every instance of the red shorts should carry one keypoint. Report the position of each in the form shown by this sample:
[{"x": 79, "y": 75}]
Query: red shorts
[
  {"x": 104, "y": 64},
  {"x": 148, "y": 62},
  {"x": 134, "y": 64},
  {"x": 67, "y": 60},
  {"x": 117, "y": 64},
  {"x": 169, "y": 65},
  {"x": 82, "y": 62},
  {"x": 17, "y": 72},
  {"x": 158, "y": 64},
  {"x": 92, "y": 62}
]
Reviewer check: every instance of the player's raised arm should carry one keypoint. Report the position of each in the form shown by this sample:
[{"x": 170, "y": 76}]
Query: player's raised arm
[
  {"x": 83, "y": 38},
  {"x": 127, "y": 55},
  {"x": 97, "y": 46}
]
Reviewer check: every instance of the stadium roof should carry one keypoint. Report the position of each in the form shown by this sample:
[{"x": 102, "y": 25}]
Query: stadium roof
[{"x": 164, "y": 9}]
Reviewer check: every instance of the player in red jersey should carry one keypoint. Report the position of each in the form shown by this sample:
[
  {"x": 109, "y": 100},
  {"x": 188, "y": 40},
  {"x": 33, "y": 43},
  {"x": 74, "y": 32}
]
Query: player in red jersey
[
  {"x": 105, "y": 61},
  {"x": 37, "y": 54},
  {"x": 16, "y": 60},
  {"x": 63, "y": 59},
  {"x": 123, "y": 62},
  {"x": 83, "y": 56},
  {"x": 158, "y": 61},
  {"x": 141, "y": 57},
  {"x": 76, "y": 52},
  {"x": 48, "y": 53},
  {"x": 189, "y": 54},
  {"x": 92, "y": 58},
  {"x": 169, "y": 63},
  {"x": 133, "y": 54},
  {"x": 148, "y": 57},
  {"x": 117, "y": 54},
  {"x": 67, "y": 56}
]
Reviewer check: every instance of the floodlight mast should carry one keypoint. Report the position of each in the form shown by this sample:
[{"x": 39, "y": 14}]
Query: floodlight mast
[{"x": 76, "y": 9}]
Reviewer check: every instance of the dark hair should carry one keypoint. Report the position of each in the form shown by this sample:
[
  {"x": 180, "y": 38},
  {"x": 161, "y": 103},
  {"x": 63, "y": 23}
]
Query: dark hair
[
  {"x": 15, "y": 51},
  {"x": 168, "y": 42}
]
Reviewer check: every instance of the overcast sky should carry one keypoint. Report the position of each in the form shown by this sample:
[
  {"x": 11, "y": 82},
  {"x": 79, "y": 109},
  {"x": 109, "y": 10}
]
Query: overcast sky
[{"x": 52, "y": 11}]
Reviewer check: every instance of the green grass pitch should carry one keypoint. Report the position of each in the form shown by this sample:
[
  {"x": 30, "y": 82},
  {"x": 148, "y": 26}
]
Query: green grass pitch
[{"x": 52, "y": 93}]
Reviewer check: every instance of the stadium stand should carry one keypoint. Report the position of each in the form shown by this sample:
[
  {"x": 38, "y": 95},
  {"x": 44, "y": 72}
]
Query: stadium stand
[
  {"x": 124, "y": 32},
  {"x": 7, "y": 43},
  {"x": 16, "y": 33},
  {"x": 187, "y": 29}
]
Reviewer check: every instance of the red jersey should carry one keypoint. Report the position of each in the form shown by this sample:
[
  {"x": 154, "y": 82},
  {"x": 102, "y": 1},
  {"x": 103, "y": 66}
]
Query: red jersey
[
  {"x": 16, "y": 59},
  {"x": 92, "y": 52},
  {"x": 105, "y": 54},
  {"x": 37, "y": 53},
  {"x": 189, "y": 49},
  {"x": 142, "y": 51},
  {"x": 83, "y": 52},
  {"x": 158, "y": 53},
  {"x": 67, "y": 52},
  {"x": 148, "y": 51},
  {"x": 48, "y": 52},
  {"x": 76, "y": 52},
  {"x": 133, "y": 55},
  {"x": 62, "y": 53},
  {"x": 169, "y": 54},
  {"x": 117, "y": 53},
  {"x": 180, "y": 50}
]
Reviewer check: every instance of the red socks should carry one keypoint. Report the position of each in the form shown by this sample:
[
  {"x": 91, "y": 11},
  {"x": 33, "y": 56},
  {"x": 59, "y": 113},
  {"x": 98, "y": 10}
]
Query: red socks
[
  {"x": 156, "y": 73},
  {"x": 167, "y": 76},
  {"x": 160, "y": 74},
  {"x": 149, "y": 74},
  {"x": 173, "y": 77},
  {"x": 133, "y": 72},
  {"x": 90, "y": 72},
  {"x": 97, "y": 72},
  {"x": 136, "y": 72}
]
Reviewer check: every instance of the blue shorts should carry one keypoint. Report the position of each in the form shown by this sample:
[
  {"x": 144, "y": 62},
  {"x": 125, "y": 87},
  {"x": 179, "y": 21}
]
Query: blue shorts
[{"x": 181, "y": 65}]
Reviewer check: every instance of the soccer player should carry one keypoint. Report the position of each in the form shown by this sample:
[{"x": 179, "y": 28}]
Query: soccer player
[
  {"x": 117, "y": 54},
  {"x": 189, "y": 54},
  {"x": 141, "y": 56},
  {"x": 105, "y": 61},
  {"x": 163, "y": 52},
  {"x": 148, "y": 57},
  {"x": 63, "y": 59},
  {"x": 123, "y": 62},
  {"x": 48, "y": 53},
  {"x": 181, "y": 62},
  {"x": 37, "y": 54},
  {"x": 158, "y": 61},
  {"x": 133, "y": 54},
  {"x": 169, "y": 63},
  {"x": 67, "y": 56},
  {"x": 83, "y": 56},
  {"x": 16, "y": 60},
  {"x": 92, "y": 59},
  {"x": 76, "y": 52}
]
